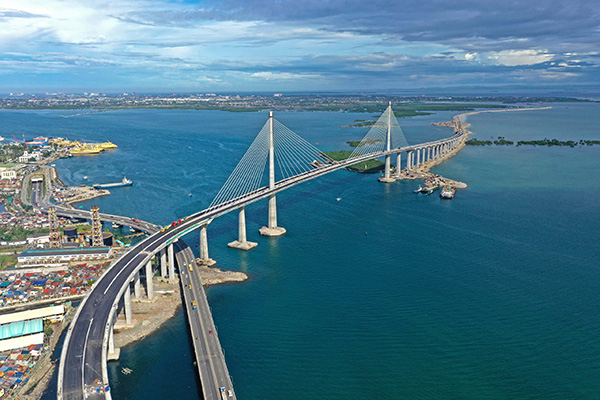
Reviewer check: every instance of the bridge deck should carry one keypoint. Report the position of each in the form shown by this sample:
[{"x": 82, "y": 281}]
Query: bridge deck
[{"x": 209, "y": 355}]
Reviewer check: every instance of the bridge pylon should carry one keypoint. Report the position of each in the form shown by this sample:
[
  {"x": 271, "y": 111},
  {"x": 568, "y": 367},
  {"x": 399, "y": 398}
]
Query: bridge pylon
[
  {"x": 272, "y": 229},
  {"x": 387, "y": 176}
]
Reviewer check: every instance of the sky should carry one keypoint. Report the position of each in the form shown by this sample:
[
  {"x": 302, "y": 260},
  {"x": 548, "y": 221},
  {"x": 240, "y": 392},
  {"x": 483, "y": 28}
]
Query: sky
[{"x": 296, "y": 45}]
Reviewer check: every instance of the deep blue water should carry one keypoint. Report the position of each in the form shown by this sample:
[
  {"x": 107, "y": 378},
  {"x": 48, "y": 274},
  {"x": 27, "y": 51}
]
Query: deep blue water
[{"x": 492, "y": 295}]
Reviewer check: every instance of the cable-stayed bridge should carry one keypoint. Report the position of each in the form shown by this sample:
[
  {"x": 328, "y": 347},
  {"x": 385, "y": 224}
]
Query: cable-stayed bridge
[{"x": 276, "y": 160}]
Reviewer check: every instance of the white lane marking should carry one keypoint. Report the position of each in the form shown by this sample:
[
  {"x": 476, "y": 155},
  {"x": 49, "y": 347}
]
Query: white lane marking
[
  {"x": 132, "y": 259},
  {"x": 83, "y": 357}
]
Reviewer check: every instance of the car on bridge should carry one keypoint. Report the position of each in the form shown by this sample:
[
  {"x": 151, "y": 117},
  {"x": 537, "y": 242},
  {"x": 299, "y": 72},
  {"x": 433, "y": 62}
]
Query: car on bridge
[{"x": 194, "y": 305}]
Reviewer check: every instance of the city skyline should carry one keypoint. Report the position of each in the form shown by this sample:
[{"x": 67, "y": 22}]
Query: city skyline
[{"x": 231, "y": 45}]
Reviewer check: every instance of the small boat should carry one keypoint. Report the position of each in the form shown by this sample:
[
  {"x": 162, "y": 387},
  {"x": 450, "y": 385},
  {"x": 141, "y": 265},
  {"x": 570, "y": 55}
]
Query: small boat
[
  {"x": 115, "y": 225},
  {"x": 418, "y": 189},
  {"x": 448, "y": 192},
  {"x": 190, "y": 195},
  {"x": 338, "y": 199},
  {"x": 126, "y": 371},
  {"x": 85, "y": 177}
]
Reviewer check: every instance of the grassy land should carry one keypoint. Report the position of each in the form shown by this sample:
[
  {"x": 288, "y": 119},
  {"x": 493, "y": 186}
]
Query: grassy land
[
  {"x": 8, "y": 260},
  {"x": 365, "y": 167},
  {"x": 17, "y": 233},
  {"x": 405, "y": 110},
  {"x": 356, "y": 143}
]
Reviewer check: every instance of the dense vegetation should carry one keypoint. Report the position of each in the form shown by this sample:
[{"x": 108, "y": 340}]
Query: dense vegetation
[
  {"x": 18, "y": 233},
  {"x": 356, "y": 143},
  {"x": 404, "y": 110},
  {"x": 11, "y": 152}
]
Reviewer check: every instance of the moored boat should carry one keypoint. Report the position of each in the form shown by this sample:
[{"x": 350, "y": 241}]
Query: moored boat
[{"x": 448, "y": 192}]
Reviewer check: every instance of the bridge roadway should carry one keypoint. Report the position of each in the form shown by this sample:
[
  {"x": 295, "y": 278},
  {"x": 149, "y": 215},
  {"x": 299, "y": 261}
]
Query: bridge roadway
[
  {"x": 209, "y": 354},
  {"x": 83, "y": 361},
  {"x": 41, "y": 200},
  {"x": 63, "y": 211}
]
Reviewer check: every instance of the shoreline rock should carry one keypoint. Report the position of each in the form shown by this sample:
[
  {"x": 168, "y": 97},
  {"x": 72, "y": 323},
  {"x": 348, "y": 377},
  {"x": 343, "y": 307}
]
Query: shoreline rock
[{"x": 149, "y": 316}]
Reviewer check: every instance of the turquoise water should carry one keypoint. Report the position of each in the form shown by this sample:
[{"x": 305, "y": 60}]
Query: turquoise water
[{"x": 493, "y": 295}]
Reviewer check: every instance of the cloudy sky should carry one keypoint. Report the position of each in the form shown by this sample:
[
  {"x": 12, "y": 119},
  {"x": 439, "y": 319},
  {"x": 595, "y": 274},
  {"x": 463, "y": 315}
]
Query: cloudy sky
[{"x": 291, "y": 45}]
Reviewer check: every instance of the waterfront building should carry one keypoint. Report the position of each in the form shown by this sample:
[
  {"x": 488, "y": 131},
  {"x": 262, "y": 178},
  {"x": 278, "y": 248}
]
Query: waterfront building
[
  {"x": 65, "y": 255},
  {"x": 26, "y": 328}
]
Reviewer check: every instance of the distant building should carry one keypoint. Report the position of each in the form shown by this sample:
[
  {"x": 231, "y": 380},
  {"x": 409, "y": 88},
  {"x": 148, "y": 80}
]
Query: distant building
[
  {"x": 9, "y": 171},
  {"x": 65, "y": 255},
  {"x": 27, "y": 156},
  {"x": 38, "y": 240},
  {"x": 8, "y": 174}
]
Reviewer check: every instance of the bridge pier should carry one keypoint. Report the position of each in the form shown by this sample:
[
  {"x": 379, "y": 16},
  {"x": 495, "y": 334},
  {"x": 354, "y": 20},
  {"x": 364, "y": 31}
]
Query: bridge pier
[
  {"x": 409, "y": 161},
  {"x": 204, "y": 258},
  {"x": 398, "y": 164},
  {"x": 137, "y": 287},
  {"x": 171, "y": 262},
  {"x": 127, "y": 301},
  {"x": 113, "y": 353},
  {"x": 242, "y": 243},
  {"x": 149, "y": 283},
  {"x": 272, "y": 229},
  {"x": 163, "y": 263},
  {"x": 418, "y": 158}
]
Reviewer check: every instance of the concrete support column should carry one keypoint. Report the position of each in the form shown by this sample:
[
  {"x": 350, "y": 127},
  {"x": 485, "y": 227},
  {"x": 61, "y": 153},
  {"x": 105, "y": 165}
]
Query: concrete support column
[
  {"x": 137, "y": 287},
  {"x": 409, "y": 161},
  {"x": 127, "y": 301},
  {"x": 418, "y": 158},
  {"x": 163, "y": 263},
  {"x": 242, "y": 243},
  {"x": 242, "y": 225},
  {"x": 111, "y": 341},
  {"x": 398, "y": 164},
  {"x": 272, "y": 223},
  {"x": 149, "y": 283},
  {"x": 203, "y": 243},
  {"x": 171, "y": 253},
  {"x": 272, "y": 229}
]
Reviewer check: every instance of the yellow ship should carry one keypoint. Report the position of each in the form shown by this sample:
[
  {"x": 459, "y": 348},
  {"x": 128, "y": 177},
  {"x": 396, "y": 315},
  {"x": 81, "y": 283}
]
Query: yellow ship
[
  {"x": 85, "y": 149},
  {"x": 108, "y": 145}
]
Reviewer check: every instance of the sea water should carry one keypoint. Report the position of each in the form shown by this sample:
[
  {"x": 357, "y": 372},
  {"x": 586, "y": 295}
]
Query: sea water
[{"x": 384, "y": 293}]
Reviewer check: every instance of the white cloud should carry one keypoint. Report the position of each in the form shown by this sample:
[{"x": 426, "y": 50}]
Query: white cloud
[
  {"x": 267, "y": 75},
  {"x": 512, "y": 58},
  {"x": 470, "y": 56}
]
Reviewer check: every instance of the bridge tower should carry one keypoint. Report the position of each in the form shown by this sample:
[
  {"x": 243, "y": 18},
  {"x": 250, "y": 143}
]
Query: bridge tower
[
  {"x": 272, "y": 229},
  {"x": 96, "y": 228},
  {"x": 387, "y": 176},
  {"x": 55, "y": 241}
]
